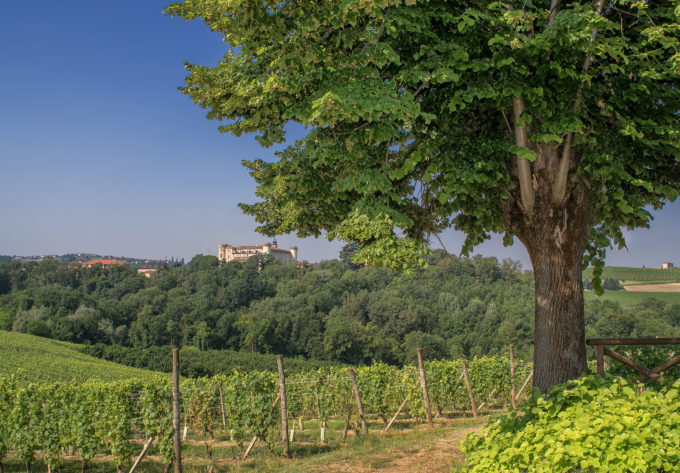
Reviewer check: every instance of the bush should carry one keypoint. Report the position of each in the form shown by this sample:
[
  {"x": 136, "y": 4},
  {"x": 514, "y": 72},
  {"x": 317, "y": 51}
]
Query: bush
[{"x": 587, "y": 425}]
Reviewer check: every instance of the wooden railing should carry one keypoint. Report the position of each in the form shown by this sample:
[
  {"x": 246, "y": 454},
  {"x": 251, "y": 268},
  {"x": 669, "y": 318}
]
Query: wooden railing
[{"x": 645, "y": 373}]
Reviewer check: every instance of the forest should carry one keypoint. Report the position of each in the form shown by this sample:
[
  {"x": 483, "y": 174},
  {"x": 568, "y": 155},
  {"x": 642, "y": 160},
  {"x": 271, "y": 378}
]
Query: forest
[{"x": 333, "y": 311}]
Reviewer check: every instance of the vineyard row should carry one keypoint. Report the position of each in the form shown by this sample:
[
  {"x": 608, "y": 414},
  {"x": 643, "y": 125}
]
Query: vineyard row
[{"x": 112, "y": 417}]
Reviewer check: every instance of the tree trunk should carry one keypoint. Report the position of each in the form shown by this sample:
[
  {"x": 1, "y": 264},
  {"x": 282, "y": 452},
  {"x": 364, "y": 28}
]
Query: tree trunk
[
  {"x": 559, "y": 327},
  {"x": 555, "y": 236}
]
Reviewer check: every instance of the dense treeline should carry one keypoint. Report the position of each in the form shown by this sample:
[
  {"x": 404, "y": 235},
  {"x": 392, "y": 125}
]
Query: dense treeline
[
  {"x": 197, "y": 363},
  {"x": 335, "y": 311}
]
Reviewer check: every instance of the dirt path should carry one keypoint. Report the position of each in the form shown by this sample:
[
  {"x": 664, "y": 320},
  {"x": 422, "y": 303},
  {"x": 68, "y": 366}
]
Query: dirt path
[{"x": 429, "y": 457}]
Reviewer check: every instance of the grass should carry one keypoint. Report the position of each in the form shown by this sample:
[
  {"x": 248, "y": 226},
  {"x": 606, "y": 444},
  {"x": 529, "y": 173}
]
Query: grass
[
  {"x": 38, "y": 359},
  {"x": 409, "y": 449},
  {"x": 628, "y": 299}
]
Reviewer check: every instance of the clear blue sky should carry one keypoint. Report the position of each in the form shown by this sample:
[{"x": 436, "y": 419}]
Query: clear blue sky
[{"x": 100, "y": 153}]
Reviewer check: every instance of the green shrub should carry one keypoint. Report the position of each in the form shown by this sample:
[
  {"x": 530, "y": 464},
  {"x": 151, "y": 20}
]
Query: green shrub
[{"x": 587, "y": 425}]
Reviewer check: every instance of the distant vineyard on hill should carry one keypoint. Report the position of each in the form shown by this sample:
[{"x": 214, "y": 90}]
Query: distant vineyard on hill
[
  {"x": 37, "y": 359},
  {"x": 623, "y": 273}
]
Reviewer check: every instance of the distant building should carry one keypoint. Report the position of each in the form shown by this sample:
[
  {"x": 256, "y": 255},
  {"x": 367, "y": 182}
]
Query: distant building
[
  {"x": 147, "y": 271},
  {"x": 228, "y": 253},
  {"x": 667, "y": 265},
  {"x": 106, "y": 263}
]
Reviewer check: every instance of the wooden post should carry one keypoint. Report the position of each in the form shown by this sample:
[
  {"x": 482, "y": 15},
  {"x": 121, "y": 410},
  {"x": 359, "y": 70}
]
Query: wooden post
[
  {"x": 250, "y": 447},
  {"x": 177, "y": 443},
  {"x": 512, "y": 377},
  {"x": 525, "y": 384},
  {"x": 284, "y": 407},
  {"x": 469, "y": 388},
  {"x": 493, "y": 391},
  {"x": 394, "y": 417},
  {"x": 147, "y": 445},
  {"x": 252, "y": 442},
  {"x": 357, "y": 396},
  {"x": 423, "y": 385},
  {"x": 599, "y": 352},
  {"x": 349, "y": 415},
  {"x": 224, "y": 420}
]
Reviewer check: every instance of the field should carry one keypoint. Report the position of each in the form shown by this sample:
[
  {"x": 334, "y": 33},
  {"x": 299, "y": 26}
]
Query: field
[
  {"x": 630, "y": 298},
  {"x": 639, "y": 284},
  {"x": 32, "y": 358}
]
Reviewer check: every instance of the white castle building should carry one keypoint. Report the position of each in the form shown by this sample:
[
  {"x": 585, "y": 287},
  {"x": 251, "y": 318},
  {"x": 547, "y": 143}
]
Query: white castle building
[{"x": 228, "y": 253}]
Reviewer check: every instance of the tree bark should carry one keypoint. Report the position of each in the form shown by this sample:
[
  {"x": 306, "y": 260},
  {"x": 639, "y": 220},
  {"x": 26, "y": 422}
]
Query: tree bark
[{"x": 555, "y": 235}]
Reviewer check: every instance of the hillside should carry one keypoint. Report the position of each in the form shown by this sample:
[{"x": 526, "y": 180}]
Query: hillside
[
  {"x": 34, "y": 358},
  {"x": 637, "y": 275}
]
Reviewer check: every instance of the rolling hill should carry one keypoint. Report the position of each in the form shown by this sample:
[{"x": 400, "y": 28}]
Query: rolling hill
[{"x": 32, "y": 358}]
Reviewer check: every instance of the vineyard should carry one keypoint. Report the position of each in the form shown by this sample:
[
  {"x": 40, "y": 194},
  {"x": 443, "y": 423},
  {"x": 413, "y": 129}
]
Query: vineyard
[
  {"x": 115, "y": 418},
  {"x": 31, "y": 358},
  {"x": 649, "y": 275}
]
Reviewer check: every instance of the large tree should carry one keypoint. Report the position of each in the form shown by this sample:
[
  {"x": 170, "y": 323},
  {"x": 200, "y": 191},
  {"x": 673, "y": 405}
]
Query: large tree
[{"x": 550, "y": 121}]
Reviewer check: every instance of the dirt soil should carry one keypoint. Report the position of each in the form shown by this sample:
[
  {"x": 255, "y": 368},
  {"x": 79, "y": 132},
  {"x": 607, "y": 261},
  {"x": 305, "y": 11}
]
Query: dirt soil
[
  {"x": 430, "y": 458},
  {"x": 669, "y": 287}
]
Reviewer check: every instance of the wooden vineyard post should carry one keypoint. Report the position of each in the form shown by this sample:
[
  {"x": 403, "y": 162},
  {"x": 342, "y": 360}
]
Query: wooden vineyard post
[
  {"x": 147, "y": 445},
  {"x": 512, "y": 377},
  {"x": 599, "y": 352},
  {"x": 177, "y": 444},
  {"x": 525, "y": 384},
  {"x": 423, "y": 385},
  {"x": 396, "y": 414},
  {"x": 284, "y": 406},
  {"x": 254, "y": 440},
  {"x": 224, "y": 420},
  {"x": 493, "y": 391},
  {"x": 469, "y": 389},
  {"x": 357, "y": 396},
  {"x": 349, "y": 415}
]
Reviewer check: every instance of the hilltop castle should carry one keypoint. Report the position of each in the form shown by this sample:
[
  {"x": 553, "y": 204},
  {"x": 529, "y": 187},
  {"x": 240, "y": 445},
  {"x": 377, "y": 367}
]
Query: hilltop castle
[{"x": 228, "y": 253}]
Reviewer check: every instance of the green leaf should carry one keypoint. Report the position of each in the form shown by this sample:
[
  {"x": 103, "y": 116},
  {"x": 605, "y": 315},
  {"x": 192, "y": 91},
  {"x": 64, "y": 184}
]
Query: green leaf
[{"x": 523, "y": 153}]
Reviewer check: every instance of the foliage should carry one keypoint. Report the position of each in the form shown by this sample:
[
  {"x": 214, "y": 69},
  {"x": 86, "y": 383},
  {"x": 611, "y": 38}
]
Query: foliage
[
  {"x": 609, "y": 284},
  {"x": 585, "y": 425},
  {"x": 317, "y": 316},
  {"x": 406, "y": 123},
  {"x": 553, "y": 121},
  {"x": 648, "y": 318},
  {"x": 323, "y": 312},
  {"x": 95, "y": 417},
  {"x": 195, "y": 363}
]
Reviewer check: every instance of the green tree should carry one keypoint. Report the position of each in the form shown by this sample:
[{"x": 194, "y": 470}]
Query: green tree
[
  {"x": 347, "y": 253},
  {"x": 552, "y": 121}
]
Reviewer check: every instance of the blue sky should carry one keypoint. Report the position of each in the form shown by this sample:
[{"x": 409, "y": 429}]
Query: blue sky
[{"x": 100, "y": 153}]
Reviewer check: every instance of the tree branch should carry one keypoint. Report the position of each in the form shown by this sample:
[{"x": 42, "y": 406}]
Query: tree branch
[
  {"x": 554, "y": 9},
  {"x": 560, "y": 182},
  {"x": 523, "y": 166}
]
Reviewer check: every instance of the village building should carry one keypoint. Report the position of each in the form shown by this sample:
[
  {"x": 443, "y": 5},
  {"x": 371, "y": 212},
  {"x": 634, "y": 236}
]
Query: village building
[
  {"x": 147, "y": 271},
  {"x": 106, "y": 263},
  {"x": 228, "y": 253},
  {"x": 667, "y": 265}
]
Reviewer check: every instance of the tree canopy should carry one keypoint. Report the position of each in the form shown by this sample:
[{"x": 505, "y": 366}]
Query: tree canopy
[{"x": 550, "y": 121}]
